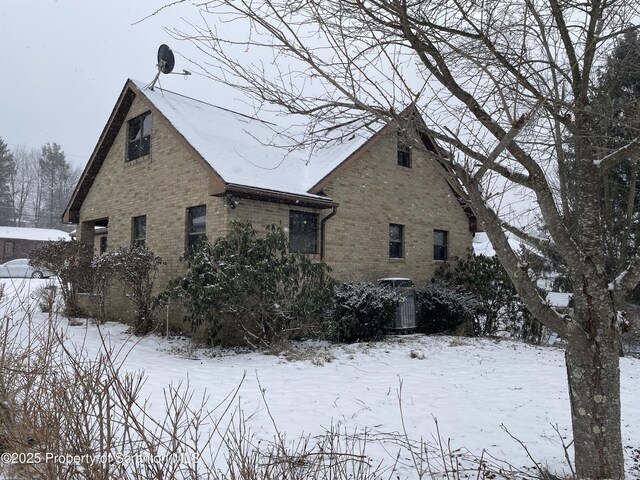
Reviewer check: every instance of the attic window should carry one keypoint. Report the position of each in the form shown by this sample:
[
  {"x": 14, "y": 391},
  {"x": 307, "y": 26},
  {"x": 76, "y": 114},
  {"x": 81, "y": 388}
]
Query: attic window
[
  {"x": 139, "y": 136},
  {"x": 404, "y": 155}
]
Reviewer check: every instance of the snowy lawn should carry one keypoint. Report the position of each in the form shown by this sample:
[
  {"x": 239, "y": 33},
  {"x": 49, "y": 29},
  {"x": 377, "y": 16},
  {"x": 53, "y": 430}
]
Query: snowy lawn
[{"x": 474, "y": 387}]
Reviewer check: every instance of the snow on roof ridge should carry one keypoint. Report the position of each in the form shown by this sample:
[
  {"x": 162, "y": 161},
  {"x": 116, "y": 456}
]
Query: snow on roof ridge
[
  {"x": 164, "y": 90},
  {"x": 240, "y": 148}
]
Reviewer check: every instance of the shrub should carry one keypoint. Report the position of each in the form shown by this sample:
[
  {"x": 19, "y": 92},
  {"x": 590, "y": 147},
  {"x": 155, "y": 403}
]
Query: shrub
[
  {"x": 362, "y": 311},
  {"x": 500, "y": 308},
  {"x": 443, "y": 308},
  {"x": 135, "y": 268},
  {"x": 46, "y": 297},
  {"x": 248, "y": 290},
  {"x": 104, "y": 270},
  {"x": 70, "y": 262}
]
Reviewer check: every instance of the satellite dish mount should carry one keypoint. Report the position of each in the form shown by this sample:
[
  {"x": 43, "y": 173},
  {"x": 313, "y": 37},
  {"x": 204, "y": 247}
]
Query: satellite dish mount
[{"x": 166, "y": 62}]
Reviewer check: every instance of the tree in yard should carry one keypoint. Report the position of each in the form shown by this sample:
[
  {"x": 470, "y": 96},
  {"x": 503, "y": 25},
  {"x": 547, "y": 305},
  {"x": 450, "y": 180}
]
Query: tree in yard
[
  {"x": 7, "y": 168},
  {"x": 22, "y": 182},
  {"x": 616, "y": 103},
  {"x": 55, "y": 185},
  {"x": 70, "y": 263},
  {"x": 508, "y": 88}
]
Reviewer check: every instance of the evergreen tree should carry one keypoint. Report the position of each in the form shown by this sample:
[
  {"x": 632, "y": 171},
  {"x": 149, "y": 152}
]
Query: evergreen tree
[
  {"x": 616, "y": 101},
  {"x": 7, "y": 169}
]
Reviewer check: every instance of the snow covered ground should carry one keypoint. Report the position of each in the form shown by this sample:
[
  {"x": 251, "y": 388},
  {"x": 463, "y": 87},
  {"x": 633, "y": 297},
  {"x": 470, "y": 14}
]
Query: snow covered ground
[{"x": 474, "y": 387}]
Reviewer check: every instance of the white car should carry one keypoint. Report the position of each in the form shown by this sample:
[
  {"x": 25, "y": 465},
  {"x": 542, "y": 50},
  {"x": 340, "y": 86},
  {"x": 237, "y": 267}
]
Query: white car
[{"x": 20, "y": 268}]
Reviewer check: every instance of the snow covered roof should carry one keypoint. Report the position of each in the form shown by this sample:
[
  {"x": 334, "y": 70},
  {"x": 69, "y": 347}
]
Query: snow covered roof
[
  {"x": 39, "y": 234},
  {"x": 482, "y": 245},
  {"x": 240, "y": 148},
  {"x": 558, "y": 299},
  {"x": 238, "y": 151}
]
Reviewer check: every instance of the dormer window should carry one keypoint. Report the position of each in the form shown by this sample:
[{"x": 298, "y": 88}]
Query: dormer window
[
  {"x": 139, "y": 136},
  {"x": 404, "y": 155}
]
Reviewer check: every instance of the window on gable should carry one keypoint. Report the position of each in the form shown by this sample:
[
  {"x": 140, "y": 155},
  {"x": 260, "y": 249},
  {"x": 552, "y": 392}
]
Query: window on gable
[
  {"x": 303, "y": 232},
  {"x": 440, "y": 245},
  {"x": 404, "y": 155},
  {"x": 196, "y": 225},
  {"x": 139, "y": 231},
  {"x": 396, "y": 238},
  {"x": 139, "y": 136}
]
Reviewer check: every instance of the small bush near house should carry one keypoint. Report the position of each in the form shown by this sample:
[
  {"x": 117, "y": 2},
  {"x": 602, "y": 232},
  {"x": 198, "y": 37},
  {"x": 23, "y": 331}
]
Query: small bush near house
[
  {"x": 444, "y": 309},
  {"x": 500, "y": 309},
  {"x": 70, "y": 262},
  {"x": 136, "y": 269},
  {"x": 361, "y": 312},
  {"x": 104, "y": 269},
  {"x": 246, "y": 290}
]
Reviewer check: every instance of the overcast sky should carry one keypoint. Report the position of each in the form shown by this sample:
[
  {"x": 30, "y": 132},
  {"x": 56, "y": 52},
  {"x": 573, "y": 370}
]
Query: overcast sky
[{"x": 63, "y": 64}]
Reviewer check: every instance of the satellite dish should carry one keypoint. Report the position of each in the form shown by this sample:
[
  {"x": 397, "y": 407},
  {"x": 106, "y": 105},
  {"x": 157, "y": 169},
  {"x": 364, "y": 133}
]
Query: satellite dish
[{"x": 166, "y": 60}]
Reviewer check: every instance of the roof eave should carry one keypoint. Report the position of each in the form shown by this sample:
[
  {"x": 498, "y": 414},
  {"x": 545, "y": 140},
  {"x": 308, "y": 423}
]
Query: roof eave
[
  {"x": 116, "y": 118},
  {"x": 262, "y": 194},
  {"x": 130, "y": 91}
]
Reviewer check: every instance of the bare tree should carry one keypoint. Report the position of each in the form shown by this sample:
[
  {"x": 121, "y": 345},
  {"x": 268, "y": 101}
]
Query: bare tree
[
  {"x": 506, "y": 86},
  {"x": 22, "y": 182},
  {"x": 56, "y": 180},
  {"x": 7, "y": 167}
]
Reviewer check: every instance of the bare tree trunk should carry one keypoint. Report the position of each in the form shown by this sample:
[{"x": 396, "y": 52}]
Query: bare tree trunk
[{"x": 593, "y": 372}]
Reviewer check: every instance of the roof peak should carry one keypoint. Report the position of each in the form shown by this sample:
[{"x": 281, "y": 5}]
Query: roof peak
[{"x": 147, "y": 87}]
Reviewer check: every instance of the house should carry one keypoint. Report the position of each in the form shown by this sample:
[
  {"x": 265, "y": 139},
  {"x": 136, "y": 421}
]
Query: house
[
  {"x": 562, "y": 302},
  {"x": 17, "y": 242},
  {"x": 169, "y": 169}
]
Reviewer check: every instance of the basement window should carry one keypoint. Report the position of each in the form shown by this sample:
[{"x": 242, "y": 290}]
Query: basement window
[
  {"x": 139, "y": 136},
  {"x": 303, "y": 232}
]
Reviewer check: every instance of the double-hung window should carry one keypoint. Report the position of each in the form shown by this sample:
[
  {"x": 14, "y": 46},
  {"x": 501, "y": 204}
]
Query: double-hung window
[
  {"x": 396, "y": 240},
  {"x": 303, "y": 232},
  {"x": 196, "y": 225},
  {"x": 139, "y": 231},
  {"x": 440, "y": 245}
]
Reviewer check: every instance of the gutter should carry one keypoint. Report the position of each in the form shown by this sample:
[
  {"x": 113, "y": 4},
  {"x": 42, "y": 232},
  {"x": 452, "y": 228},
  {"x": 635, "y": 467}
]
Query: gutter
[
  {"x": 323, "y": 229},
  {"x": 278, "y": 197}
]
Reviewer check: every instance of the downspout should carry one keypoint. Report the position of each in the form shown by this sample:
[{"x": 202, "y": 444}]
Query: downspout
[{"x": 323, "y": 230}]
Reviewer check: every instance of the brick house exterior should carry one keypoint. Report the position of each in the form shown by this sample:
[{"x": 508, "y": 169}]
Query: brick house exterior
[{"x": 358, "y": 195}]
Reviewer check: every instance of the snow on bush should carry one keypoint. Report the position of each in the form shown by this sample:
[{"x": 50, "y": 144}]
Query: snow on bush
[{"x": 362, "y": 311}]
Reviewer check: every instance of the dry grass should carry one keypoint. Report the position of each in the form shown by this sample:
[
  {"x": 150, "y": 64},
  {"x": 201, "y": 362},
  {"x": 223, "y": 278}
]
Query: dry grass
[{"x": 67, "y": 415}]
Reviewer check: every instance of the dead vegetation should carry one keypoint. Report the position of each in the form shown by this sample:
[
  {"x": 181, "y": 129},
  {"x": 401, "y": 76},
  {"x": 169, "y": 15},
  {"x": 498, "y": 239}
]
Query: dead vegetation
[{"x": 67, "y": 414}]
